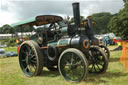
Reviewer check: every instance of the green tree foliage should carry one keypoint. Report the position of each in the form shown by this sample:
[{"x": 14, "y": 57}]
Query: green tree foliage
[
  {"x": 119, "y": 24},
  {"x": 102, "y": 20},
  {"x": 1, "y": 30},
  {"x": 24, "y": 28},
  {"x": 11, "y": 42},
  {"x": 27, "y": 28},
  {"x": 5, "y": 29}
]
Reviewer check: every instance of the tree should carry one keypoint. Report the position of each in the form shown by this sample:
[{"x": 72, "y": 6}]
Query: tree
[
  {"x": 1, "y": 30},
  {"x": 119, "y": 24},
  {"x": 5, "y": 29},
  {"x": 102, "y": 19},
  {"x": 12, "y": 31}
]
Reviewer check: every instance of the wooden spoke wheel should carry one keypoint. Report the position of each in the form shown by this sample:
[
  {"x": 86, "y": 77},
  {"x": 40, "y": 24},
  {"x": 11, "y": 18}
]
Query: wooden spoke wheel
[
  {"x": 73, "y": 65},
  {"x": 30, "y": 58},
  {"x": 99, "y": 61}
]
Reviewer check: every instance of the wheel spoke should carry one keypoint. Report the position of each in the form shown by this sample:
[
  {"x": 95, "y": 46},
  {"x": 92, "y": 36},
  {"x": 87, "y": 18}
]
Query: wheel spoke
[
  {"x": 98, "y": 67},
  {"x": 31, "y": 68},
  {"x": 34, "y": 66},
  {"x": 67, "y": 62},
  {"x": 78, "y": 63},
  {"x": 100, "y": 64},
  {"x": 24, "y": 60},
  {"x": 24, "y": 52},
  {"x": 72, "y": 58},
  {"x": 91, "y": 67},
  {"x": 94, "y": 67},
  {"x": 26, "y": 68},
  {"x": 33, "y": 56},
  {"x": 33, "y": 61}
]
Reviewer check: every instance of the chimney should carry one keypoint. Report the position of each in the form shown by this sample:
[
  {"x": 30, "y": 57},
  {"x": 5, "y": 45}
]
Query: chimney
[{"x": 76, "y": 12}]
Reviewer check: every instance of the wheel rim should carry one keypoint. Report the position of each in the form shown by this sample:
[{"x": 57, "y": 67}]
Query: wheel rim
[
  {"x": 98, "y": 61},
  {"x": 106, "y": 51},
  {"x": 27, "y": 59},
  {"x": 72, "y": 67}
]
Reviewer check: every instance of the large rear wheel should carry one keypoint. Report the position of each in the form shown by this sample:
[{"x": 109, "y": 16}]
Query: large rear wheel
[
  {"x": 73, "y": 65},
  {"x": 30, "y": 58}
]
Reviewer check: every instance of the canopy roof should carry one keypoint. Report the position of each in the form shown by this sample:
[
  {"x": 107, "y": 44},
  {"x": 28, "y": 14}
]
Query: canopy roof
[{"x": 39, "y": 20}]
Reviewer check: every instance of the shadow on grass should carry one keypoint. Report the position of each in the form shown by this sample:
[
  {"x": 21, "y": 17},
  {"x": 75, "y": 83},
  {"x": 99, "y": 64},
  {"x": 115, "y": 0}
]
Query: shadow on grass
[
  {"x": 98, "y": 78},
  {"x": 95, "y": 78},
  {"x": 114, "y": 59},
  {"x": 46, "y": 73}
]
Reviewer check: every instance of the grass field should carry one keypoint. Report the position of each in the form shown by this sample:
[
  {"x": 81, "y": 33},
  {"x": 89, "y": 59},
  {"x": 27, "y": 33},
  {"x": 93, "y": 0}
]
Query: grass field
[
  {"x": 10, "y": 49},
  {"x": 11, "y": 74}
]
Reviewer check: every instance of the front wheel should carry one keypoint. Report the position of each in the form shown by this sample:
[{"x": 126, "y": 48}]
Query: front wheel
[
  {"x": 99, "y": 61},
  {"x": 73, "y": 65}
]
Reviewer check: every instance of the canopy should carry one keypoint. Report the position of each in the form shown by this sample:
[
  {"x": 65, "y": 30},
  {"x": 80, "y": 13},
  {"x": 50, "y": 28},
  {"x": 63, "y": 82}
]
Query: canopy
[{"x": 39, "y": 20}]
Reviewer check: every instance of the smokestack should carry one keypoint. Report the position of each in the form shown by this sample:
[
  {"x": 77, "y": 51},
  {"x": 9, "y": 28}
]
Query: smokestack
[{"x": 76, "y": 12}]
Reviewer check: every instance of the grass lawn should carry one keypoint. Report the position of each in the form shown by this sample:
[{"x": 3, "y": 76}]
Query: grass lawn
[
  {"x": 11, "y": 74},
  {"x": 10, "y": 49}
]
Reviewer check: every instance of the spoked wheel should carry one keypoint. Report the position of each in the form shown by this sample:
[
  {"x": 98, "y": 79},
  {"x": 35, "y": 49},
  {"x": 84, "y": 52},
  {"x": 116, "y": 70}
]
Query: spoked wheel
[
  {"x": 106, "y": 50},
  {"x": 73, "y": 65},
  {"x": 99, "y": 61},
  {"x": 30, "y": 58}
]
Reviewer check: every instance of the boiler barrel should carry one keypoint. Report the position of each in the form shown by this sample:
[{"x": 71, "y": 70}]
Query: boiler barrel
[{"x": 74, "y": 42}]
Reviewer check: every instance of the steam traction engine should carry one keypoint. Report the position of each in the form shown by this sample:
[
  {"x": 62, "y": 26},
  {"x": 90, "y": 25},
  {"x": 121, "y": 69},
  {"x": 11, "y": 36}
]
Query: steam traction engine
[{"x": 70, "y": 48}]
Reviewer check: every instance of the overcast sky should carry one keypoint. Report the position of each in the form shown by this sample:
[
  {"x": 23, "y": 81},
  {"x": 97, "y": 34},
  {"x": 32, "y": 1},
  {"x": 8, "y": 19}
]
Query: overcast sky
[{"x": 12, "y": 11}]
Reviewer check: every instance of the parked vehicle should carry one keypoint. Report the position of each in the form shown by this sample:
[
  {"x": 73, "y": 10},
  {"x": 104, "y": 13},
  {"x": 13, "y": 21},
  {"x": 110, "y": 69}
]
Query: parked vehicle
[
  {"x": 2, "y": 53},
  {"x": 108, "y": 40},
  {"x": 104, "y": 40},
  {"x": 11, "y": 54},
  {"x": 117, "y": 39},
  {"x": 101, "y": 40}
]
